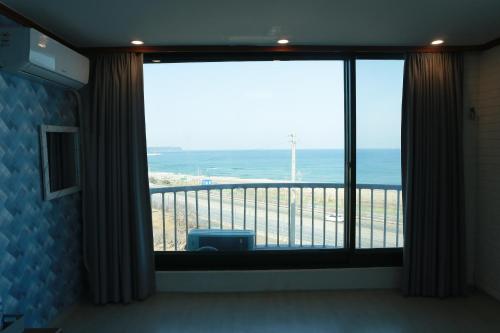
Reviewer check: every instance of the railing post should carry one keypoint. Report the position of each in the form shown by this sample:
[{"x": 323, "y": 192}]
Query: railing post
[
  {"x": 385, "y": 217},
  {"x": 208, "y": 201},
  {"x": 289, "y": 219},
  {"x": 186, "y": 214},
  {"x": 337, "y": 216},
  {"x": 278, "y": 217},
  {"x": 359, "y": 213},
  {"x": 163, "y": 219},
  {"x": 291, "y": 216},
  {"x": 397, "y": 219},
  {"x": 312, "y": 217},
  {"x": 301, "y": 214},
  {"x": 220, "y": 205},
  {"x": 267, "y": 218},
  {"x": 175, "y": 221},
  {"x": 197, "y": 219},
  {"x": 255, "y": 217},
  {"x": 371, "y": 218},
  {"x": 232, "y": 208},
  {"x": 245, "y": 208},
  {"x": 324, "y": 216}
]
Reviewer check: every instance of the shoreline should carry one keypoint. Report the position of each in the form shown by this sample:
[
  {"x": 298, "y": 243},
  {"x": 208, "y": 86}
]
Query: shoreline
[{"x": 168, "y": 177}]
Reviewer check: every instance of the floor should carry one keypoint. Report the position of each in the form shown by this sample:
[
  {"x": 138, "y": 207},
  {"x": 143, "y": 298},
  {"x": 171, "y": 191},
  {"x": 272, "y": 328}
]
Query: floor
[{"x": 335, "y": 311}]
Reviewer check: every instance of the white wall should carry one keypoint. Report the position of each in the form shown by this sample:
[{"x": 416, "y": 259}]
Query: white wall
[
  {"x": 471, "y": 96},
  {"x": 487, "y": 256}
]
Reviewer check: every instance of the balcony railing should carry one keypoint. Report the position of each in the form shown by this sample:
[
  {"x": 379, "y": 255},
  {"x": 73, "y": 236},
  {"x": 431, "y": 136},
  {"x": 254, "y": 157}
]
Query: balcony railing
[{"x": 282, "y": 215}]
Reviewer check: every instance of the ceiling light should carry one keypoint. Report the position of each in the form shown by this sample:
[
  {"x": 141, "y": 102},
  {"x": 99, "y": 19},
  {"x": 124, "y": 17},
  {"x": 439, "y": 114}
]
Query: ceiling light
[
  {"x": 283, "y": 41},
  {"x": 156, "y": 60},
  {"x": 137, "y": 42},
  {"x": 437, "y": 42}
]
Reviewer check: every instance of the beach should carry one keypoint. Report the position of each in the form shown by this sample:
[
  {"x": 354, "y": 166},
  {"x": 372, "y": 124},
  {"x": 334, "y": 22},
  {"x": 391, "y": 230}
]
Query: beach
[{"x": 177, "y": 179}]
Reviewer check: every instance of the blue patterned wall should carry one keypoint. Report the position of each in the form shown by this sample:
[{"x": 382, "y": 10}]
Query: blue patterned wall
[{"x": 40, "y": 241}]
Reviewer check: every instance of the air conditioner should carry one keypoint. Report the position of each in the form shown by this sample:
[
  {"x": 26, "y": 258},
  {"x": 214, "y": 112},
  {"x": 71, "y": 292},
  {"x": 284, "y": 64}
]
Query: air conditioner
[
  {"x": 33, "y": 54},
  {"x": 220, "y": 240}
]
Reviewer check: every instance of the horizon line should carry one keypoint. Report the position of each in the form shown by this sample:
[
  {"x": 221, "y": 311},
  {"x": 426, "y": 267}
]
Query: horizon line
[{"x": 233, "y": 149}]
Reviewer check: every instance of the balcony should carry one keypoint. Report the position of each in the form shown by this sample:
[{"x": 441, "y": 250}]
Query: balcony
[{"x": 282, "y": 215}]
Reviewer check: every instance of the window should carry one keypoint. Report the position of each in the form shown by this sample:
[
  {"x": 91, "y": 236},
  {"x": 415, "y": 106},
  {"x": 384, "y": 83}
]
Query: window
[
  {"x": 261, "y": 147},
  {"x": 378, "y": 153},
  {"x": 264, "y": 156}
]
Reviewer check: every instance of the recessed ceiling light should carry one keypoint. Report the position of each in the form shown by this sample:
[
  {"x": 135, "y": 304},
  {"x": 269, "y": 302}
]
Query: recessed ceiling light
[
  {"x": 137, "y": 42},
  {"x": 156, "y": 60},
  {"x": 437, "y": 42},
  {"x": 283, "y": 41}
]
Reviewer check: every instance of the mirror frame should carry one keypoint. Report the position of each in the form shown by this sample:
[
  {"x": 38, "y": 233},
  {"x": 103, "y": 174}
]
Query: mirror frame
[{"x": 44, "y": 129}]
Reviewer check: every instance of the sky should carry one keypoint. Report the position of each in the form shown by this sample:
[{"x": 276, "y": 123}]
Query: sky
[{"x": 257, "y": 105}]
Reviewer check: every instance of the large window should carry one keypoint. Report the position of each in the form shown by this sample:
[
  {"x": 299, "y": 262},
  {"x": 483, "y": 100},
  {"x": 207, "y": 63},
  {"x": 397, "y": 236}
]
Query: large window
[
  {"x": 264, "y": 155},
  {"x": 261, "y": 147}
]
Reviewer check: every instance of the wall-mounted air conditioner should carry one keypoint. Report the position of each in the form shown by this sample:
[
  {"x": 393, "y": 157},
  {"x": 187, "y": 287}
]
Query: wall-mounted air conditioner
[{"x": 33, "y": 54}]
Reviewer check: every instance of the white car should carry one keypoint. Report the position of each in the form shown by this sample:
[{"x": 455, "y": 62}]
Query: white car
[{"x": 335, "y": 218}]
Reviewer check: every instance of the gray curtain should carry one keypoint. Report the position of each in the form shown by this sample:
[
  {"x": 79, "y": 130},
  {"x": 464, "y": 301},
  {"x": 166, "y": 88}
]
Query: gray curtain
[
  {"x": 118, "y": 238},
  {"x": 432, "y": 164}
]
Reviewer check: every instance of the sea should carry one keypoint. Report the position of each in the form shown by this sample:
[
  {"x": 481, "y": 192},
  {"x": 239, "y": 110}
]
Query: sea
[{"x": 373, "y": 166}]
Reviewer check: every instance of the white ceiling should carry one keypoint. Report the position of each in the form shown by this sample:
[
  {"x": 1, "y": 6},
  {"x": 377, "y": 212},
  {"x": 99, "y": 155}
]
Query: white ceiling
[{"x": 89, "y": 23}]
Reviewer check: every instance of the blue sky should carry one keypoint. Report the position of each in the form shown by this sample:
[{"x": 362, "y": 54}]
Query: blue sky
[{"x": 256, "y": 105}]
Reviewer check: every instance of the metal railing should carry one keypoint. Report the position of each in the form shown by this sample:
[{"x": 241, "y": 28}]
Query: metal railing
[{"x": 282, "y": 215}]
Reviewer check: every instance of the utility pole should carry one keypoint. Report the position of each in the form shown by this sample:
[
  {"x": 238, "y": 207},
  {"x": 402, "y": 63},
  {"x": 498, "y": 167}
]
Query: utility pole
[
  {"x": 291, "y": 229},
  {"x": 293, "y": 141}
]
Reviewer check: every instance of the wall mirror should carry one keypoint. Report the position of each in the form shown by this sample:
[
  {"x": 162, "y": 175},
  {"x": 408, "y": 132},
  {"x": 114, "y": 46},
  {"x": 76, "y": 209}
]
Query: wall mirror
[{"x": 60, "y": 148}]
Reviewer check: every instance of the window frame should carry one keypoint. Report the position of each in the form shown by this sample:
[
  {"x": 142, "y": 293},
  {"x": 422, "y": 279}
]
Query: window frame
[{"x": 349, "y": 256}]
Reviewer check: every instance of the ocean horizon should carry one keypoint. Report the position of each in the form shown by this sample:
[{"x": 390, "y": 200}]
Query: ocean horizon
[{"x": 374, "y": 166}]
